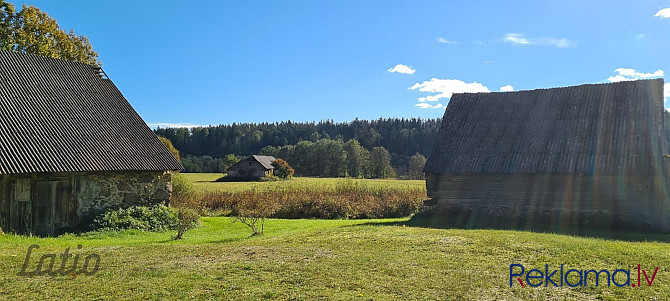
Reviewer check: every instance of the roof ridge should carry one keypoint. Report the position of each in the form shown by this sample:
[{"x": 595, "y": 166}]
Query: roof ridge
[{"x": 566, "y": 87}]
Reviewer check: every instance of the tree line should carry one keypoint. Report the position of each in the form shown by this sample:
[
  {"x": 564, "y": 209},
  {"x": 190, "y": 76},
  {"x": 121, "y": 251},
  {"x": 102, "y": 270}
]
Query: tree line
[
  {"x": 359, "y": 148},
  {"x": 336, "y": 158}
]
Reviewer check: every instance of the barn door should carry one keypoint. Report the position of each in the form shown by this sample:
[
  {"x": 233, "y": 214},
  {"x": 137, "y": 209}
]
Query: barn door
[
  {"x": 44, "y": 207},
  {"x": 51, "y": 207},
  {"x": 20, "y": 206}
]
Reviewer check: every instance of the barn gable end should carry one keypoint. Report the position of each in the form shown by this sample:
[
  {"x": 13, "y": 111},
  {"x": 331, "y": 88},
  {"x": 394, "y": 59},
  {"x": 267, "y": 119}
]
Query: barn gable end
[
  {"x": 255, "y": 166},
  {"x": 71, "y": 146},
  {"x": 560, "y": 153}
]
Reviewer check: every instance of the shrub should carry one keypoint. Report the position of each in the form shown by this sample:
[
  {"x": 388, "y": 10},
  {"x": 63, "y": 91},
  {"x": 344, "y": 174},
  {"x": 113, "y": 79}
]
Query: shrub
[
  {"x": 349, "y": 198},
  {"x": 154, "y": 218},
  {"x": 187, "y": 219},
  {"x": 254, "y": 210},
  {"x": 282, "y": 169},
  {"x": 181, "y": 187}
]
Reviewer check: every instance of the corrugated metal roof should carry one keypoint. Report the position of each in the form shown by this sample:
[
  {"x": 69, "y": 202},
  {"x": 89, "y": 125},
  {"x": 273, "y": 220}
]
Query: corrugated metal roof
[
  {"x": 266, "y": 161},
  {"x": 614, "y": 128},
  {"x": 59, "y": 116}
]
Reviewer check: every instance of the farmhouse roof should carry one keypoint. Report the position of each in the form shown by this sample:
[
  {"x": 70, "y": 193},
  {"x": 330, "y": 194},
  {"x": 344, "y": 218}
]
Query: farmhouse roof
[
  {"x": 59, "y": 116},
  {"x": 266, "y": 161},
  {"x": 614, "y": 128}
]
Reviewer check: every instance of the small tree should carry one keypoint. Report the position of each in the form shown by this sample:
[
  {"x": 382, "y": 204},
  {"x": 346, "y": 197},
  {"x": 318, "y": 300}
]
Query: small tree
[
  {"x": 282, "y": 169},
  {"x": 187, "y": 219},
  {"x": 228, "y": 161},
  {"x": 254, "y": 210},
  {"x": 380, "y": 163},
  {"x": 416, "y": 164},
  {"x": 170, "y": 147}
]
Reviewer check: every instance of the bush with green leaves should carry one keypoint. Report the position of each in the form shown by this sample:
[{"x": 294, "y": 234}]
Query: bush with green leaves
[
  {"x": 181, "y": 187},
  {"x": 187, "y": 219},
  {"x": 155, "y": 218}
]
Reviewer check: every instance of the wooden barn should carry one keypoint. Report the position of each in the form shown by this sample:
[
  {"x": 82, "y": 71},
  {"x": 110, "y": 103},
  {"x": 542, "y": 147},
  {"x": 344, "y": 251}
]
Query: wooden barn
[
  {"x": 252, "y": 167},
  {"x": 588, "y": 155},
  {"x": 71, "y": 146}
]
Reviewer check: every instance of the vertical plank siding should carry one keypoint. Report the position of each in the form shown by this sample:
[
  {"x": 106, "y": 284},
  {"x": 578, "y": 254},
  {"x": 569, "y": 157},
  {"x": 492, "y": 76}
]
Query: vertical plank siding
[{"x": 596, "y": 149}]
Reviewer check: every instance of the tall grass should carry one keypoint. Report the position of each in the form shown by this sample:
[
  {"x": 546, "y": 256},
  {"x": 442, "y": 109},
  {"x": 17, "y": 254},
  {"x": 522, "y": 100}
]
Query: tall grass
[{"x": 348, "y": 198}]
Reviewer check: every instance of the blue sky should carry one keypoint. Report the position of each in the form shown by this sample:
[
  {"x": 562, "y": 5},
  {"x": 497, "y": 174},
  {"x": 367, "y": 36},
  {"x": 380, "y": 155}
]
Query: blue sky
[{"x": 215, "y": 62}]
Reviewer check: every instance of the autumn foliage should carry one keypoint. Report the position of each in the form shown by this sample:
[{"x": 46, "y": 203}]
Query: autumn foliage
[{"x": 282, "y": 169}]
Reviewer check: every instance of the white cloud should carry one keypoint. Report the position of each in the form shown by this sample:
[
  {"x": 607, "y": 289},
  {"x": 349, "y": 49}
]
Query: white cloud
[
  {"x": 445, "y": 88},
  {"x": 400, "y": 68},
  {"x": 625, "y": 74},
  {"x": 172, "y": 125},
  {"x": 423, "y": 105},
  {"x": 560, "y": 43},
  {"x": 445, "y": 41},
  {"x": 507, "y": 88},
  {"x": 515, "y": 38},
  {"x": 663, "y": 14},
  {"x": 519, "y": 39}
]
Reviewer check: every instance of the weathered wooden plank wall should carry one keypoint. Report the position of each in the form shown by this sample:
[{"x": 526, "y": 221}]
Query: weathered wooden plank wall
[{"x": 638, "y": 199}]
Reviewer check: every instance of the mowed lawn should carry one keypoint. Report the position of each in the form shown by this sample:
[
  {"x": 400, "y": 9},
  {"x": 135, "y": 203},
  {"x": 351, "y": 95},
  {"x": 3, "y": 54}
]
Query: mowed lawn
[
  {"x": 326, "y": 259},
  {"x": 207, "y": 182}
]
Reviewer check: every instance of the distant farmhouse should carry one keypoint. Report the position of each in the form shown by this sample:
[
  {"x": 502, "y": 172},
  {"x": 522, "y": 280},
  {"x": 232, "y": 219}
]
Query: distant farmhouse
[
  {"x": 71, "y": 146},
  {"x": 571, "y": 157},
  {"x": 252, "y": 167}
]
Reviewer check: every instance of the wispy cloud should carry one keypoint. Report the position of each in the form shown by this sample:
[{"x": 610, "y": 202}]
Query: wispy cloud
[
  {"x": 666, "y": 91},
  {"x": 663, "y": 13},
  {"x": 560, "y": 43},
  {"x": 172, "y": 125},
  {"x": 520, "y": 39},
  {"x": 515, "y": 38},
  {"x": 624, "y": 74},
  {"x": 507, "y": 88},
  {"x": 445, "y": 41},
  {"x": 444, "y": 88},
  {"x": 400, "y": 68}
]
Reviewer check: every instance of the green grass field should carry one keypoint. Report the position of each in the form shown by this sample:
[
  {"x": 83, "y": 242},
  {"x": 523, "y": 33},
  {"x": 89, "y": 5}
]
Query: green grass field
[
  {"x": 381, "y": 259},
  {"x": 206, "y": 182},
  {"x": 326, "y": 259}
]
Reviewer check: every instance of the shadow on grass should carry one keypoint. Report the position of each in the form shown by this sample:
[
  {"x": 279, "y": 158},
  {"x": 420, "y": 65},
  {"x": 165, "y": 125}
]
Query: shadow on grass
[
  {"x": 433, "y": 218},
  {"x": 227, "y": 240}
]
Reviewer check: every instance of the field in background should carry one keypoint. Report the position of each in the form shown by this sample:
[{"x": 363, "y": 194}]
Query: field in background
[
  {"x": 205, "y": 182},
  {"x": 326, "y": 259},
  {"x": 326, "y": 198}
]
